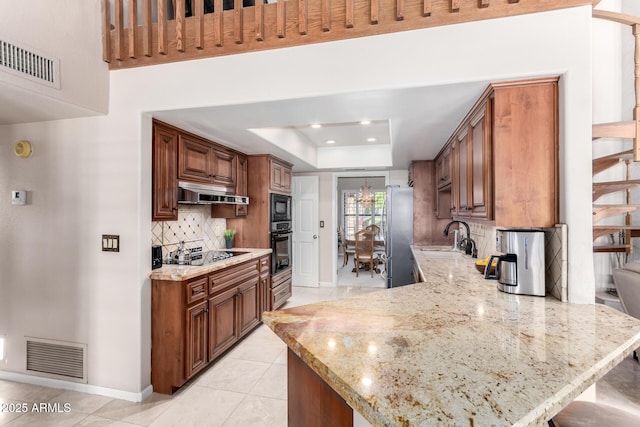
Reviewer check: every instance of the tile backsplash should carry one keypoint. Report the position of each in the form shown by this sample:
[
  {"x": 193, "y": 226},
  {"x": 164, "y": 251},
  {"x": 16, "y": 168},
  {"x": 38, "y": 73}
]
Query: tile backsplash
[
  {"x": 555, "y": 242},
  {"x": 194, "y": 225}
]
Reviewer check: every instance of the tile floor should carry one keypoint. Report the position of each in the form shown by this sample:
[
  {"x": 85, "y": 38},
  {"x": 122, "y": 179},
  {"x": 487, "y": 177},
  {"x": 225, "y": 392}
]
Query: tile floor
[{"x": 246, "y": 387}]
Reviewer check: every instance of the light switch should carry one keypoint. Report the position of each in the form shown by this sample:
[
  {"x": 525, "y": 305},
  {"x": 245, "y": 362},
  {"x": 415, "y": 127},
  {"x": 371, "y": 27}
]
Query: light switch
[
  {"x": 110, "y": 243},
  {"x": 19, "y": 197}
]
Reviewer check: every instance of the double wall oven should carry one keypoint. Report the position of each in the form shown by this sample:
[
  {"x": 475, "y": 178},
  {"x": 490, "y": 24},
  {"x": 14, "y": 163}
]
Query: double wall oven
[{"x": 281, "y": 232}]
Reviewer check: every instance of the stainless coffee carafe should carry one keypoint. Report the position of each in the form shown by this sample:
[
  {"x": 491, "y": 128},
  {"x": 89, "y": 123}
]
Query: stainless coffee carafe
[{"x": 520, "y": 269}]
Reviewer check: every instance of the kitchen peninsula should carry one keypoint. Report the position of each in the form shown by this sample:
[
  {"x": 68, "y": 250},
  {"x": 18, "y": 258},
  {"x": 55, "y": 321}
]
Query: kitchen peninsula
[{"x": 452, "y": 350}]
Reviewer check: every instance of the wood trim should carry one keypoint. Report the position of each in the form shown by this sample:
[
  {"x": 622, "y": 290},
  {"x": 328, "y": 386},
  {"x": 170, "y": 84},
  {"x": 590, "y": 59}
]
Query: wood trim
[
  {"x": 199, "y": 24},
  {"x": 131, "y": 29},
  {"x": 326, "y": 15},
  {"x": 349, "y": 20},
  {"x": 375, "y": 11},
  {"x": 218, "y": 23},
  {"x": 277, "y": 17},
  {"x": 238, "y": 21},
  {"x": 426, "y": 8},
  {"x": 483, "y": 3},
  {"x": 259, "y": 20},
  {"x": 147, "y": 33},
  {"x": 620, "y": 18},
  {"x": 180, "y": 26},
  {"x": 455, "y": 6},
  {"x": 400, "y": 6},
  {"x": 118, "y": 21},
  {"x": 163, "y": 40},
  {"x": 281, "y": 14},
  {"x": 302, "y": 17},
  {"x": 106, "y": 30}
]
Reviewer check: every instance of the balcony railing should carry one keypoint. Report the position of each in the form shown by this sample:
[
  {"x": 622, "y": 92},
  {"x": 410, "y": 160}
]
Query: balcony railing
[{"x": 148, "y": 32}]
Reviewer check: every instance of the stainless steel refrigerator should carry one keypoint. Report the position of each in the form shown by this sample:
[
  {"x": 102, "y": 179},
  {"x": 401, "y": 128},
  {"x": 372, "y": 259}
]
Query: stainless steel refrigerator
[{"x": 397, "y": 225}]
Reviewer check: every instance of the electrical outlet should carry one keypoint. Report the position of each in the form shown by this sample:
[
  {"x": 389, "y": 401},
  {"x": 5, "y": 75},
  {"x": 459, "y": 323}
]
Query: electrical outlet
[{"x": 110, "y": 243}]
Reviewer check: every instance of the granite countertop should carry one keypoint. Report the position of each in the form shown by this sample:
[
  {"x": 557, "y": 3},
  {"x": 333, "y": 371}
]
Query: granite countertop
[
  {"x": 184, "y": 272},
  {"x": 454, "y": 350}
]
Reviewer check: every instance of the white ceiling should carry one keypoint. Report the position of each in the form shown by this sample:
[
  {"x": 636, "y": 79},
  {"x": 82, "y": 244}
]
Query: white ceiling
[
  {"x": 414, "y": 122},
  {"x": 409, "y": 123}
]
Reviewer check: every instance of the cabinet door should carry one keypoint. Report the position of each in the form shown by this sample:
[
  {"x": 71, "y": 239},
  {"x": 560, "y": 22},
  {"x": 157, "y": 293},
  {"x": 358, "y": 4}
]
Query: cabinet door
[
  {"x": 165, "y": 185},
  {"x": 249, "y": 306},
  {"x": 463, "y": 174},
  {"x": 443, "y": 170},
  {"x": 265, "y": 293},
  {"x": 224, "y": 168},
  {"x": 223, "y": 326},
  {"x": 194, "y": 160},
  {"x": 197, "y": 324},
  {"x": 241, "y": 183},
  {"x": 286, "y": 178},
  {"x": 277, "y": 172},
  {"x": 481, "y": 163}
]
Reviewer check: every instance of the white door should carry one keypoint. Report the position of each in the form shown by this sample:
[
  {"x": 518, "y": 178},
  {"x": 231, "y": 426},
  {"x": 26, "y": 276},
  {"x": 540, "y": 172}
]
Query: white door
[{"x": 305, "y": 231}]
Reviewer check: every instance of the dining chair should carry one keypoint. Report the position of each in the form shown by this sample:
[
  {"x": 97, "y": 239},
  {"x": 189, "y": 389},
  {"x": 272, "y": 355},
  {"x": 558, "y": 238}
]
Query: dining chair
[
  {"x": 374, "y": 229},
  {"x": 364, "y": 251},
  {"x": 346, "y": 249},
  {"x": 627, "y": 281}
]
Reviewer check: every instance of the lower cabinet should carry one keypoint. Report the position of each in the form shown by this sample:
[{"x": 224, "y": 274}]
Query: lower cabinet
[
  {"x": 280, "y": 288},
  {"x": 194, "y": 321}
]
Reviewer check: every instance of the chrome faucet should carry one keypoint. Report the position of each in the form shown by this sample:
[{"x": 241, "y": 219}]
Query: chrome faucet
[{"x": 469, "y": 244}]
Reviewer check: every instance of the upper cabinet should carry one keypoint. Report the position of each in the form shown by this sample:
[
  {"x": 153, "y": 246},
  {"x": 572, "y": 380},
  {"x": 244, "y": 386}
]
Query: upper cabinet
[
  {"x": 164, "y": 176},
  {"x": 504, "y": 157},
  {"x": 204, "y": 162},
  {"x": 181, "y": 156},
  {"x": 280, "y": 176}
]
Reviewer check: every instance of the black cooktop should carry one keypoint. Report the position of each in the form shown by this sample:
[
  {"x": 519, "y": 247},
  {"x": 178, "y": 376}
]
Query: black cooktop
[{"x": 209, "y": 257}]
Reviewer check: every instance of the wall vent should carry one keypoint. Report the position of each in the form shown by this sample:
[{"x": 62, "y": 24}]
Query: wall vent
[
  {"x": 28, "y": 64},
  {"x": 57, "y": 359}
]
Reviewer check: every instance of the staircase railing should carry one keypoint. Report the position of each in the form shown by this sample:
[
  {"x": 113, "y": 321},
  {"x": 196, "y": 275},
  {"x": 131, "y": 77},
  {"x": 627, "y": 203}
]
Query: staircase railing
[{"x": 147, "y": 32}]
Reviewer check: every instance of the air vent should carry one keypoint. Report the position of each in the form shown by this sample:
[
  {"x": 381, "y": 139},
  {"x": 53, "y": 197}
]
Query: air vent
[
  {"x": 28, "y": 64},
  {"x": 57, "y": 359}
]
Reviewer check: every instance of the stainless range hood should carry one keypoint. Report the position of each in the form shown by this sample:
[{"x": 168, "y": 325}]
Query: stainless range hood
[{"x": 199, "y": 194}]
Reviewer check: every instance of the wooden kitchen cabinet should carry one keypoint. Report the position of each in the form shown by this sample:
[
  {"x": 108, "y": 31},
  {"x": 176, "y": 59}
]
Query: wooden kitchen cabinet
[
  {"x": 504, "y": 156},
  {"x": 241, "y": 182},
  {"x": 203, "y": 162},
  {"x": 280, "y": 176},
  {"x": 194, "y": 321},
  {"x": 443, "y": 169},
  {"x": 164, "y": 175},
  {"x": 280, "y": 288}
]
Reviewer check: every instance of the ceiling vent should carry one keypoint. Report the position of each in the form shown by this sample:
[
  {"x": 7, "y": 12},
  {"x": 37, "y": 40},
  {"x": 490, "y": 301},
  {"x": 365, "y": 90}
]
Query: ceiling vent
[
  {"x": 57, "y": 359},
  {"x": 29, "y": 64}
]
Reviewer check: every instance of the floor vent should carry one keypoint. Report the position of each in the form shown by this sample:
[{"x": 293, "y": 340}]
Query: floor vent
[
  {"x": 57, "y": 359},
  {"x": 28, "y": 64}
]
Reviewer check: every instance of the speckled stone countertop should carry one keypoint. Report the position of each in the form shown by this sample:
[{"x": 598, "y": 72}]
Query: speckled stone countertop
[
  {"x": 184, "y": 272},
  {"x": 454, "y": 351}
]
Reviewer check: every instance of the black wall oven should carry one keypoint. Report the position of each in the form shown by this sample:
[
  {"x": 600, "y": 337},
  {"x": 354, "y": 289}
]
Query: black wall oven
[
  {"x": 280, "y": 208},
  {"x": 281, "y": 246}
]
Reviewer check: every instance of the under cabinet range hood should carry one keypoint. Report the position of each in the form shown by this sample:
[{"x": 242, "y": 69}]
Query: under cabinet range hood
[{"x": 199, "y": 194}]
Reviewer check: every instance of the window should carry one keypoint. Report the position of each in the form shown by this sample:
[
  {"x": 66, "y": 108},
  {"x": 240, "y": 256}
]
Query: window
[{"x": 356, "y": 216}]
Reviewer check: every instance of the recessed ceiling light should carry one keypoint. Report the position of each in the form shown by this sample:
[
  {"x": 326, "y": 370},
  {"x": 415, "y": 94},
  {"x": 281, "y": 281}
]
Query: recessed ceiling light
[
  {"x": 330, "y": 141},
  {"x": 316, "y": 126},
  {"x": 371, "y": 140},
  {"x": 365, "y": 122}
]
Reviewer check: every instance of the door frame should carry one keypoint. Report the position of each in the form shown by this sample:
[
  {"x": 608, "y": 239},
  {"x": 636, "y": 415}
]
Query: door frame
[{"x": 334, "y": 210}]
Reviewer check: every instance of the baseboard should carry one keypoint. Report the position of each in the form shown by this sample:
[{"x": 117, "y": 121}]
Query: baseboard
[
  {"x": 73, "y": 386},
  {"x": 326, "y": 285}
]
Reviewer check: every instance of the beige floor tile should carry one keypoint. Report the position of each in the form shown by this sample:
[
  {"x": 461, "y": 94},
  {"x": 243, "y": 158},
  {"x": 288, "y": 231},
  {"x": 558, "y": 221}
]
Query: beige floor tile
[
  {"x": 82, "y": 402},
  {"x": 282, "y": 358},
  {"x": 273, "y": 383},
  {"x": 93, "y": 421},
  {"x": 48, "y": 419},
  {"x": 258, "y": 350},
  {"x": 257, "y": 411},
  {"x": 200, "y": 406},
  {"x": 142, "y": 413},
  {"x": 11, "y": 409},
  {"x": 27, "y": 392},
  {"x": 233, "y": 375}
]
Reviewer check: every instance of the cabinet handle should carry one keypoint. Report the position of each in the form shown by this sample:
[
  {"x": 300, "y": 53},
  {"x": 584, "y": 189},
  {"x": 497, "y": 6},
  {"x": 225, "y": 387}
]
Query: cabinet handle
[{"x": 206, "y": 310}]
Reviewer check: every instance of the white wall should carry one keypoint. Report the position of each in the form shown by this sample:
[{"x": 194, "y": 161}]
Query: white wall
[
  {"x": 92, "y": 176},
  {"x": 70, "y": 31}
]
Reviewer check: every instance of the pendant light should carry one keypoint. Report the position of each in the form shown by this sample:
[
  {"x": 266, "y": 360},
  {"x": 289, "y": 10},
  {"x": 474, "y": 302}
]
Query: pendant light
[{"x": 365, "y": 195}]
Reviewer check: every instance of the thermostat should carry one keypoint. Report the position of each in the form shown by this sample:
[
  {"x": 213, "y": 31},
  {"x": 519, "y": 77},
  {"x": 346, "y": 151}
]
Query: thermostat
[{"x": 19, "y": 197}]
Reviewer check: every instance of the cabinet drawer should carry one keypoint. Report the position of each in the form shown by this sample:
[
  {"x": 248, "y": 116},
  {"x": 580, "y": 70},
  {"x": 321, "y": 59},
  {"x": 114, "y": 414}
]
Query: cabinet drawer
[
  {"x": 264, "y": 264},
  {"x": 232, "y": 276},
  {"x": 280, "y": 294},
  {"x": 196, "y": 290}
]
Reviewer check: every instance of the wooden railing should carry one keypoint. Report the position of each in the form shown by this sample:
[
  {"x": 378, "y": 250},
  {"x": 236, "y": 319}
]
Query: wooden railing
[{"x": 158, "y": 31}]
